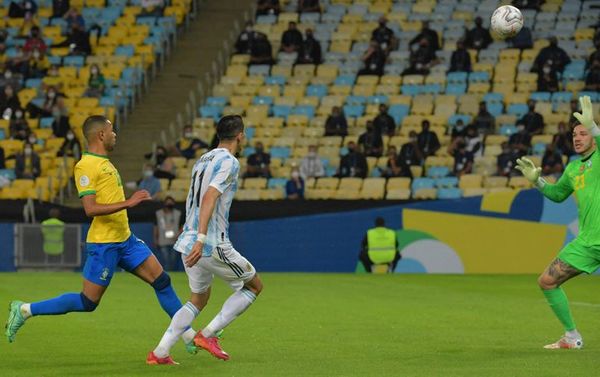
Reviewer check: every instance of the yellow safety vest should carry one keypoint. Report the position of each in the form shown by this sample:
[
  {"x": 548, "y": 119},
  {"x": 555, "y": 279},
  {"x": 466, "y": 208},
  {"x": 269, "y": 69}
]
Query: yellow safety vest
[
  {"x": 53, "y": 231},
  {"x": 381, "y": 245}
]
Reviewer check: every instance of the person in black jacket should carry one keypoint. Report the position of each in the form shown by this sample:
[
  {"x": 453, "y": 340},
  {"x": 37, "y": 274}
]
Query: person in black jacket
[
  {"x": 533, "y": 121},
  {"x": 310, "y": 52},
  {"x": 410, "y": 153},
  {"x": 384, "y": 35},
  {"x": 9, "y": 100},
  {"x": 243, "y": 45},
  {"x": 261, "y": 51},
  {"x": 374, "y": 60},
  {"x": 553, "y": 55},
  {"x": 27, "y": 164},
  {"x": 371, "y": 142},
  {"x": 354, "y": 164},
  {"x": 71, "y": 146},
  {"x": 461, "y": 59},
  {"x": 547, "y": 80},
  {"x": 384, "y": 123},
  {"x": 2, "y": 159},
  {"x": 428, "y": 141},
  {"x": 291, "y": 39},
  {"x": 60, "y": 8},
  {"x": 479, "y": 37},
  {"x": 336, "y": 124},
  {"x": 78, "y": 40},
  {"x": 429, "y": 34}
]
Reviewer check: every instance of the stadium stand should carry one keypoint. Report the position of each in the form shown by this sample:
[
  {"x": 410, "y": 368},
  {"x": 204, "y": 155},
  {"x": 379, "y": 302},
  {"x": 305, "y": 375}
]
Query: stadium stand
[{"x": 96, "y": 58}]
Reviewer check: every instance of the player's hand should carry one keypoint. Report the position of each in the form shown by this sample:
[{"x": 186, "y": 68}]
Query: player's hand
[
  {"x": 526, "y": 166},
  {"x": 192, "y": 258},
  {"x": 586, "y": 117},
  {"x": 138, "y": 197}
]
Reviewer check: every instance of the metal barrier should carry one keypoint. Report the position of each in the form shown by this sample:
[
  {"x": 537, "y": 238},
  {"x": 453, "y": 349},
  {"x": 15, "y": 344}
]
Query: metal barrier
[{"x": 29, "y": 247}]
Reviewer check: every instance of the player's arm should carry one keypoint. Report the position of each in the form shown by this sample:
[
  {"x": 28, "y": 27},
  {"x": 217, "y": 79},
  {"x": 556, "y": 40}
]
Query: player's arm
[
  {"x": 207, "y": 207},
  {"x": 558, "y": 192},
  {"x": 92, "y": 208},
  {"x": 586, "y": 118}
]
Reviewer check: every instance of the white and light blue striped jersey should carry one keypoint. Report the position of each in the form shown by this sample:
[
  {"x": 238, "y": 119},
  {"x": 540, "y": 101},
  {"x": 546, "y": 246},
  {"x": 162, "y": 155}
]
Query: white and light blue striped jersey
[{"x": 219, "y": 169}]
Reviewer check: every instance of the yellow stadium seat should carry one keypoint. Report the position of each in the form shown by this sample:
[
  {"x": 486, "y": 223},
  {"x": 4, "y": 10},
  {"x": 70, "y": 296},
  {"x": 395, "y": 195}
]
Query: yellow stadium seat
[
  {"x": 469, "y": 192},
  {"x": 272, "y": 194},
  {"x": 425, "y": 193},
  {"x": 494, "y": 182},
  {"x": 317, "y": 194},
  {"x": 519, "y": 182},
  {"x": 470, "y": 181},
  {"x": 390, "y": 80},
  {"x": 370, "y": 80},
  {"x": 255, "y": 183},
  {"x": 373, "y": 188},
  {"x": 327, "y": 183},
  {"x": 280, "y": 70},
  {"x": 398, "y": 194},
  {"x": 304, "y": 70}
]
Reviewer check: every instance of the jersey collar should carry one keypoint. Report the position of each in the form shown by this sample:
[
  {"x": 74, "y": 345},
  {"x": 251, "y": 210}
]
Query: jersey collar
[
  {"x": 588, "y": 157},
  {"x": 95, "y": 155}
]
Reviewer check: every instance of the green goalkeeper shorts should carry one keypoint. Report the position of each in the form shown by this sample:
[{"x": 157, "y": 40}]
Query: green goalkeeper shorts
[{"x": 582, "y": 257}]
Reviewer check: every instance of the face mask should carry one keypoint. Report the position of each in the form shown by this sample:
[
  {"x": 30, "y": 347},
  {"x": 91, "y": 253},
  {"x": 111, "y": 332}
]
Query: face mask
[
  {"x": 32, "y": 140},
  {"x": 188, "y": 135},
  {"x": 19, "y": 114},
  {"x": 51, "y": 95},
  {"x": 295, "y": 175},
  {"x": 148, "y": 173},
  {"x": 27, "y": 151},
  {"x": 94, "y": 71},
  {"x": 70, "y": 136},
  {"x": 521, "y": 128},
  {"x": 312, "y": 154},
  {"x": 36, "y": 54},
  {"x": 248, "y": 29},
  {"x": 413, "y": 139},
  {"x": 546, "y": 70},
  {"x": 7, "y": 75},
  {"x": 9, "y": 93}
]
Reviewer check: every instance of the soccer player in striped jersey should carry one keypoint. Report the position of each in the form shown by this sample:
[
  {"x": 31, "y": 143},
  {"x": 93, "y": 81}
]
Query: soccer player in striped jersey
[
  {"x": 582, "y": 255},
  {"x": 206, "y": 249}
]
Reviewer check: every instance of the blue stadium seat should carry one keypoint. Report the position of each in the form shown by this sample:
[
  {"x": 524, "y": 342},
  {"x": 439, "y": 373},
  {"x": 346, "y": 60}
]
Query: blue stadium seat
[
  {"x": 266, "y": 19},
  {"x": 148, "y": 21},
  {"x": 507, "y": 129},
  {"x": 446, "y": 182},
  {"x": 46, "y": 122},
  {"x": 493, "y": 97},
  {"x": 420, "y": 183},
  {"x": 449, "y": 193},
  {"x": 259, "y": 70},
  {"x": 310, "y": 18},
  {"x": 479, "y": 77},
  {"x": 217, "y": 101},
  {"x": 540, "y": 96},
  {"x": 456, "y": 88},
  {"x": 2, "y": 134},
  {"x": 454, "y": 118},
  {"x": 307, "y": 110},
  {"x": 248, "y": 151},
  {"x": 495, "y": 108},
  {"x": 561, "y": 97},
  {"x": 249, "y": 132},
  {"x": 262, "y": 100},
  {"x": 8, "y": 174},
  {"x": 431, "y": 89},
  {"x": 316, "y": 91},
  {"x": 518, "y": 109},
  {"x": 33, "y": 83},
  {"x": 211, "y": 112},
  {"x": 437, "y": 171},
  {"x": 275, "y": 80},
  {"x": 377, "y": 99},
  {"x": 412, "y": 89},
  {"x": 281, "y": 111},
  {"x": 356, "y": 100},
  {"x": 52, "y": 59},
  {"x": 107, "y": 101},
  {"x": 125, "y": 50},
  {"x": 457, "y": 78},
  {"x": 398, "y": 112},
  {"x": 354, "y": 111},
  {"x": 344, "y": 80},
  {"x": 594, "y": 96},
  {"x": 539, "y": 148},
  {"x": 74, "y": 61},
  {"x": 280, "y": 152}
]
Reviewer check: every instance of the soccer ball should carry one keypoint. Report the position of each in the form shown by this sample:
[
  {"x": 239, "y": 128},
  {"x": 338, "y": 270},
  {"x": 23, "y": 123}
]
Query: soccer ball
[{"x": 507, "y": 21}]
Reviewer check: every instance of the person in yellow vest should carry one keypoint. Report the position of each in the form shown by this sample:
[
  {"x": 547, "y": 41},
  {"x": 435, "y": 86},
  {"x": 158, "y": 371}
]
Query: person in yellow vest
[
  {"x": 380, "y": 246},
  {"x": 53, "y": 231}
]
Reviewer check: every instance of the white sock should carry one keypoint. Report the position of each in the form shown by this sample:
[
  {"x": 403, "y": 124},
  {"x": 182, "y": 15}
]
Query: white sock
[
  {"x": 235, "y": 305},
  {"x": 26, "y": 310},
  {"x": 188, "y": 335},
  {"x": 573, "y": 334},
  {"x": 181, "y": 321}
]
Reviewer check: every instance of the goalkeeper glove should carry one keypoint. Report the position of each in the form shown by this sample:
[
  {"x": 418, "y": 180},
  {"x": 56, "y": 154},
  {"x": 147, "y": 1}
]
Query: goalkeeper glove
[
  {"x": 527, "y": 167},
  {"x": 586, "y": 117}
]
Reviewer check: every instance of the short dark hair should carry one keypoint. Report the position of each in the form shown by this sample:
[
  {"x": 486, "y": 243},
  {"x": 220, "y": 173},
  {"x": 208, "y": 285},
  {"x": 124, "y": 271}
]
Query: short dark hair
[
  {"x": 379, "y": 221},
  {"x": 92, "y": 124},
  {"x": 229, "y": 127}
]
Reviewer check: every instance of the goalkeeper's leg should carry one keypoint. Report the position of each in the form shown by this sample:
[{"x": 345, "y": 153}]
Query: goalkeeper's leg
[{"x": 557, "y": 273}]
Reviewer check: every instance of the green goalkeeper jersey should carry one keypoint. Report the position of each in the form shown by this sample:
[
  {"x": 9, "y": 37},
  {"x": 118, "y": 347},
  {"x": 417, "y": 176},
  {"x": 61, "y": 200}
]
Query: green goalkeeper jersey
[{"x": 583, "y": 177}]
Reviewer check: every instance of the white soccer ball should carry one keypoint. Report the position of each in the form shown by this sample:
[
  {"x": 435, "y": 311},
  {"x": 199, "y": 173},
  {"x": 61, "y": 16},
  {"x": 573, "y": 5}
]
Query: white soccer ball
[{"x": 507, "y": 21}]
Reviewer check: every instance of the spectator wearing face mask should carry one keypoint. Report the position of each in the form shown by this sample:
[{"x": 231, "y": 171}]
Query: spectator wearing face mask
[
  {"x": 291, "y": 39},
  {"x": 261, "y": 51},
  {"x": 35, "y": 41},
  {"x": 294, "y": 188},
  {"x": 78, "y": 40},
  {"x": 460, "y": 61},
  {"x": 259, "y": 163},
  {"x": 371, "y": 142},
  {"x": 70, "y": 147},
  {"x": 563, "y": 140},
  {"x": 264, "y": 7},
  {"x": 429, "y": 34},
  {"x": 505, "y": 162},
  {"x": 552, "y": 162},
  {"x": 60, "y": 124},
  {"x": 19, "y": 129},
  {"x": 484, "y": 121},
  {"x": 354, "y": 163},
  {"x": 167, "y": 227},
  {"x": 421, "y": 59},
  {"x": 164, "y": 166},
  {"x": 37, "y": 65},
  {"x": 520, "y": 142},
  {"x": 592, "y": 81},
  {"x": 458, "y": 130},
  {"x": 336, "y": 124},
  {"x": 533, "y": 121},
  {"x": 9, "y": 102},
  {"x": 309, "y": 6},
  {"x": 523, "y": 39},
  {"x": 383, "y": 122},
  {"x": 395, "y": 166},
  {"x": 152, "y": 8},
  {"x": 244, "y": 42},
  {"x": 384, "y": 35},
  {"x": 149, "y": 182},
  {"x": 27, "y": 164},
  {"x": 463, "y": 159},
  {"x": 547, "y": 80},
  {"x": 11, "y": 78},
  {"x": 188, "y": 145},
  {"x": 473, "y": 141},
  {"x": 479, "y": 37},
  {"x": 411, "y": 153},
  {"x": 96, "y": 82},
  {"x": 311, "y": 165},
  {"x": 552, "y": 55},
  {"x": 22, "y": 9},
  {"x": 50, "y": 101},
  {"x": 428, "y": 140},
  {"x": 374, "y": 60},
  {"x": 310, "y": 52}
]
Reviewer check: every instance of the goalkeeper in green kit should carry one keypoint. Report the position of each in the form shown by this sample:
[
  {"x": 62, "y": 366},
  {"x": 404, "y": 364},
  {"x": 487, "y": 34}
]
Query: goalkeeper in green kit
[{"x": 583, "y": 253}]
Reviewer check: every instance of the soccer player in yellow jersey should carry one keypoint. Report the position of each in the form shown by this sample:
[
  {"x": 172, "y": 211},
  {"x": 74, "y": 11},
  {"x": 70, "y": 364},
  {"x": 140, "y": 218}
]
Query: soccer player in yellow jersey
[{"x": 110, "y": 243}]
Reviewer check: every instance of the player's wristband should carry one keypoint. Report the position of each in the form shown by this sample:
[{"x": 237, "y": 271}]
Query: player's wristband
[
  {"x": 540, "y": 183},
  {"x": 201, "y": 238}
]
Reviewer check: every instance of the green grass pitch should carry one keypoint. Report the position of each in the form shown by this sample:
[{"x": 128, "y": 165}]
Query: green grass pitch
[{"x": 315, "y": 325}]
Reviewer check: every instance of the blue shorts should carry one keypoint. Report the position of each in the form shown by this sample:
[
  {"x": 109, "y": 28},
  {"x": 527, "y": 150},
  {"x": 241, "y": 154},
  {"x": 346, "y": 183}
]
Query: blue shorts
[{"x": 103, "y": 259}]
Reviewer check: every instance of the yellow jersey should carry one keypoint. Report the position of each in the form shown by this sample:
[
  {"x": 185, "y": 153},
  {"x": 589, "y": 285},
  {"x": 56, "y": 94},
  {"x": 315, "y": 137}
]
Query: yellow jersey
[{"x": 95, "y": 175}]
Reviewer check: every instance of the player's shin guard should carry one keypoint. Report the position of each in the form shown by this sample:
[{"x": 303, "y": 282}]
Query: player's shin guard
[
  {"x": 181, "y": 321},
  {"x": 557, "y": 299},
  {"x": 235, "y": 305},
  {"x": 166, "y": 295},
  {"x": 69, "y": 302}
]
